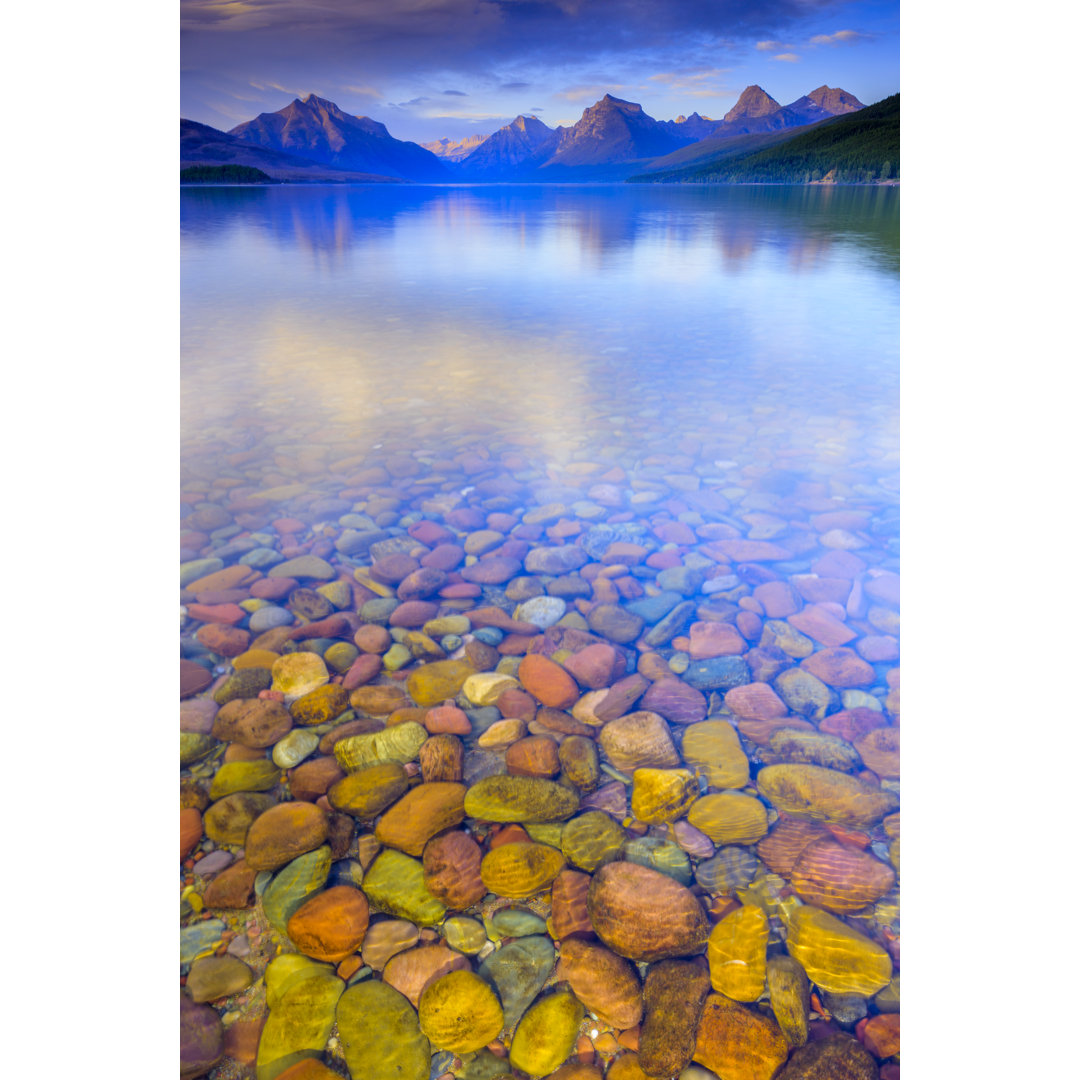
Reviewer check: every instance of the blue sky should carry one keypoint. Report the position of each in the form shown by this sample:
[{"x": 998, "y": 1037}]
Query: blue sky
[{"x": 434, "y": 68}]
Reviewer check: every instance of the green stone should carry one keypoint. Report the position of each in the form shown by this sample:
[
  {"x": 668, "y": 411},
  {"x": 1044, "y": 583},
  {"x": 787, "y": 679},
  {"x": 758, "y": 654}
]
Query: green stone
[
  {"x": 293, "y": 884},
  {"x": 516, "y": 922},
  {"x": 467, "y": 935},
  {"x": 227, "y": 821},
  {"x": 396, "y": 657},
  {"x": 194, "y": 747},
  {"x": 338, "y": 593},
  {"x": 660, "y": 855},
  {"x": 519, "y": 798},
  {"x": 214, "y": 977},
  {"x": 518, "y": 971},
  {"x": 545, "y": 834},
  {"x": 245, "y": 683},
  {"x": 395, "y": 884},
  {"x": 340, "y": 656},
  {"x": 200, "y": 938},
  {"x": 591, "y": 840},
  {"x": 380, "y": 1034},
  {"x": 300, "y": 1022},
  {"x": 789, "y": 997},
  {"x": 198, "y": 568},
  {"x": 306, "y": 566},
  {"x": 236, "y": 776}
]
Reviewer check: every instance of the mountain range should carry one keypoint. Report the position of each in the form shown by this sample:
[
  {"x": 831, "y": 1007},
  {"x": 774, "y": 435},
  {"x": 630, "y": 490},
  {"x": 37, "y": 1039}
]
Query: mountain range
[{"x": 313, "y": 139}]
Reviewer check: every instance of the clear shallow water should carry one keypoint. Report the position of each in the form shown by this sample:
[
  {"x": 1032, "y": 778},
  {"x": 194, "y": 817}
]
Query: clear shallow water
[{"x": 639, "y": 360}]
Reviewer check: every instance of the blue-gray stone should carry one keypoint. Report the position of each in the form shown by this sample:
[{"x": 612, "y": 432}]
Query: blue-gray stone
[
  {"x": 483, "y": 763},
  {"x": 517, "y": 972},
  {"x": 233, "y": 548},
  {"x": 721, "y": 673},
  {"x": 441, "y": 1063},
  {"x": 729, "y": 869},
  {"x": 681, "y": 579},
  {"x": 661, "y": 855},
  {"x": 489, "y": 635},
  {"x": 600, "y": 537},
  {"x": 672, "y": 624},
  {"x": 266, "y": 618},
  {"x": 199, "y": 938},
  {"x": 720, "y": 584},
  {"x": 482, "y": 718},
  {"x": 262, "y": 557},
  {"x": 346, "y": 872},
  {"x": 653, "y": 608},
  {"x": 198, "y": 568},
  {"x": 354, "y": 520},
  {"x": 359, "y": 541},
  {"x": 379, "y": 610},
  {"x": 517, "y": 922},
  {"x": 450, "y": 643}
]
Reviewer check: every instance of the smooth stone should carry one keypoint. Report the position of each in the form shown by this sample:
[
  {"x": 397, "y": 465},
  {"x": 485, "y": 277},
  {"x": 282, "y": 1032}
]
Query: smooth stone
[
  {"x": 615, "y": 623},
  {"x": 400, "y": 743},
  {"x": 713, "y": 746},
  {"x": 202, "y": 1035},
  {"x": 197, "y": 569},
  {"x": 368, "y": 792},
  {"x": 306, "y": 566},
  {"x": 386, "y": 939},
  {"x": 555, "y": 560},
  {"x": 227, "y": 821},
  {"x": 197, "y": 715},
  {"x": 731, "y": 868},
  {"x": 421, "y": 813},
  {"x": 517, "y": 922},
  {"x": 639, "y": 740},
  {"x": 300, "y": 1021},
  {"x": 662, "y": 795},
  {"x": 719, "y": 673},
  {"x": 245, "y": 683},
  {"x": 460, "y": 1012},
  {"x": 653, "y": 608},
  {"x": 591, "y": 839},
  {"x": 671, "y": 625},
  {"x": 541, "y": 611},
  {"x": 789, "y": 997},
  {"x": 736, "y": 953},
  {"x": 809, "y": 791},
  {"x": 517, "y": 870},
  {"x": 546, "y": 1034},
  {"x": 644, "y": 915},
  {"x": 236, "y": 776},
  {"x": 266, "y": 618},
  {"x": 738, "y": 1043},
  {"x": 213, "y": 863},
  {"x": 451, "y": 865},
  {"x": 466, "y": 935},
  {"x": 283, "y": 833},
  {"x": 330, "y": 925},
  {"x": 194, "y": 747},
  {"x": 804, "y": 693},
  {"x": 606, "y": 984},
  {"x": 252, "y": 722},
  {"x": 681, "y": 579},
  {"x": 293, "y": 884},
  {"x": 434, "y": 683},
  {"x": 214, "y": 977},
  {"x": 297, "y": 674},
  {"x": 200, "y": 938},
  {"x": 394, "y": 883},
  {"x": 660, "y": 855},
  {"x": 730, "y": 817},
  {"x": 517, "y": 971},
  {"x": 519, "y": 798},
  {"x": 292, "y": 749},
  {"x": 796, "y": 747},
  {"x": 675, "y": 701},
  {"x": 838, "y": 959},
  {"x": 410, "y": 972}
]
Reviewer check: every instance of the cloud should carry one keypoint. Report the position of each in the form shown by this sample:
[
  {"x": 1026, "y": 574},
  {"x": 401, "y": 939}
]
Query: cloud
[
  {"x": 768, "y": 46},
  {"x": 694, "y": 82},
  {"x": 841, "y": 37},
  {"x": 455, "y": 93},
  {"x": 514, "y": 86},
  {"x": 787, "y": 57},
  {"x": 592, "y": 92},
  {"x": 363, "y": 91}
]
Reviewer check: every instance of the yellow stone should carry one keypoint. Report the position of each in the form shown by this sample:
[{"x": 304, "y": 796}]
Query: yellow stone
[
  {"x": 368, "y": 792},
  {"x": 484, "y": 687},
  {"x": 432, "y": 684},
  {"x": 297, "y": 674},
  {"x": 590, "y": 840},
  {"x": 789, "y": 997},
  {"x": 255, "y": 658},
  {"x": 503, "y": 733},
  {"x": 377, "y": 587},
  {"x": 300, "y": 1022},
  {"x": 819, "y": 794},
  {"x": 713, "y": 747},
  {"x": 838, "y": 959},
  {"x": 517, "y": 870},
  {"x": 546, "y": 1034},
  {"x": 661, "y": 795},
  {"x": 460, "y": 1013},
  {"x": 730, "y": 817},
  {"x": 399, "y": 743},
  {"x": 737, "y": 953}
]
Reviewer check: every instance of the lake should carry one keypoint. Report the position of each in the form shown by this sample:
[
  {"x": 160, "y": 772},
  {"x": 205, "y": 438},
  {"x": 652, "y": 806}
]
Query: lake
[{"x": 539, "y": 584}]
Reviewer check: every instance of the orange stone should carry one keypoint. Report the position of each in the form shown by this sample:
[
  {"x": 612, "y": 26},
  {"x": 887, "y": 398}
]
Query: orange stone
[
  {"x": 839, "y": 667},
  {"x": 838, "y": 878},
  {"x": 825, "y": 628},
  {"x": 191, "y": 830},
  {"x": 421, "y": 813},
  {"x": 283, "y": 832},
  {"x": 880, "y": 751},
  {"x": 738, "y": 1043},
  {"x": 755, "y": 701},
  {"x": 378, "y": 700},
  {"x": 569, "y": 910},
  {"x": 331, "y": 925},
  {"x": 881, "y": 1036},
  {"x": 411, "y": 971},
  {"x": 548, "y": 682},
  {"x": 536, "y": 755},
  {"x": 452, "y": 870},
  {"x": 606, "y": 984},
  {"x": 223, "y": 640}
]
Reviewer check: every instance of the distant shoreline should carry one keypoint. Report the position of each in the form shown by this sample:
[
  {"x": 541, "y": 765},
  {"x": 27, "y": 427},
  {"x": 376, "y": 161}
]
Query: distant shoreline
[{"x": 538, "y": 183}]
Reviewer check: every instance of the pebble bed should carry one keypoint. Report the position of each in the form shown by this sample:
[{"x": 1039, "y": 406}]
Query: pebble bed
[{"x": 502, "y": 758}]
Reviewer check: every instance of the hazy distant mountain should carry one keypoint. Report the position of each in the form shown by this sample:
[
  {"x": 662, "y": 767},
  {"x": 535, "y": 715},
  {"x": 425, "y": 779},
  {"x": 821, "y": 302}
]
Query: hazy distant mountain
[
  {"x": 862, "y": 146},
  {"x": 317, "y": 129},
  {"x": 690, "y": 128},
  {"x": 507, "y": 148},
  {"x": 201, "y": 144},
  {"x": 611, "y": 132},
  {"x": 757, "y": 111},
  {"x": 449, "y": 150}
]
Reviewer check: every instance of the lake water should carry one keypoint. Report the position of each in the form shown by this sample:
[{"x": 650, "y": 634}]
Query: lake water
[{"x": 657, "y": 426}]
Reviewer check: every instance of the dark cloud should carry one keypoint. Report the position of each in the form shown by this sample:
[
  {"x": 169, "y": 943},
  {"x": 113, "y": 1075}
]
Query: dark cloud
[
  {"x": 514, "y": 86},
  {"x": 455, "y": 93}
]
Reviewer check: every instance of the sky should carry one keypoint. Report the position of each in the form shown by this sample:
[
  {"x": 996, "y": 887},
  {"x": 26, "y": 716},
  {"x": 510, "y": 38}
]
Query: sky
[{"x": 432, "y": 69}]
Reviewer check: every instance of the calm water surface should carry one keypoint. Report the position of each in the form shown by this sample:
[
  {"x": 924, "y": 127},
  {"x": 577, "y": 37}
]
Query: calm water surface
[{"x": 379, "y": 377}]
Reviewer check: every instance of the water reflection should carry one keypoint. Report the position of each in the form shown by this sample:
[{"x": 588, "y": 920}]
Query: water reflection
[{"x": 603, "y": 223}]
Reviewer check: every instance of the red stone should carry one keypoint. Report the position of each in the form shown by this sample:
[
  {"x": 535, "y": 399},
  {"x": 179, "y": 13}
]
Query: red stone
[
  {"x": 595, "y": 666},
  {"x": 447, "y": 719},
  {"x": 710, "y": 639},
  {"x": 755, "y": 701},
  {"x": 547, "y": 681},
  {"x": 840, "y": 668},
  {"x": 881, "y": 1036},
  {"x": 363, "y": 669},
  {"x": 778, "y": 599},
  {"x": 421, "y": 583},
  {"x": 536, "y": 755},
  {"x": 430, "y": 533},
  {"x": 413, "y": 613},
  {"x": 462, "y": 591},
  {"x": 821, "y": 625},
  {"x": 314, "y": 778},
  {"x": 223, "y": 640},
  {"x": 676, "y": 701},
  {"x": 229, "y": 614},
  {"x": 193, "y": 678},
  {"x": 853, "y": 724},
  {"x": 445, "y": 557},
  {"x": 516, "y": 704},
  {"x": 191, "y": 830},
  {"x": 492, "y": 570},
  {"x": 333, "y": 626}
]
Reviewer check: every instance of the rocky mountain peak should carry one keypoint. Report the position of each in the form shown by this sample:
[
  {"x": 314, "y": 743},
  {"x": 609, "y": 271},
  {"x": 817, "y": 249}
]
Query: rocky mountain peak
[{"x": 753, "y": 102}]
